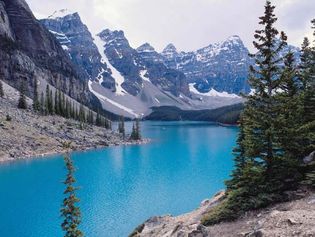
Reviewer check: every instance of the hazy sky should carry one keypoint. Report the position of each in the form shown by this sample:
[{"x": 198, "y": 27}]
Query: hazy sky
[{"x": 189, "y": 24}]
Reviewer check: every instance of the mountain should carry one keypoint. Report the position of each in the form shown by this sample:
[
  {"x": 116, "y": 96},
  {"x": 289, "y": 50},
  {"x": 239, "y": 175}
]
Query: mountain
[
  {"x": 77, "y": 41},
  {"x": 222, "y": 66},
  {"x": 132, "y": 80},
  {"x": 133, "y": 66},
  {"x": 28, "y": 51}
]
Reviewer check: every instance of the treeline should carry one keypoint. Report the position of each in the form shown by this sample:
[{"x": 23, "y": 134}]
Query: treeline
[
  {"x": 275, "y": 150},
  {"x": 227, "y": 114},
  {"x": 58, "y": 103}
]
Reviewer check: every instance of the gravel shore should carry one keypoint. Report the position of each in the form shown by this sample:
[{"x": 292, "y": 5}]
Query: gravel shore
[{"x": 29, "y": 135}]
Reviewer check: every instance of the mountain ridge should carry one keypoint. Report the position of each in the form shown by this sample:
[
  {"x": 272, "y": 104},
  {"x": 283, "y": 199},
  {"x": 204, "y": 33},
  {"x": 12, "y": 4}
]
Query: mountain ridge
[
  {"x": 133, "y": 80},
  {"x": 141, "y": 75}
]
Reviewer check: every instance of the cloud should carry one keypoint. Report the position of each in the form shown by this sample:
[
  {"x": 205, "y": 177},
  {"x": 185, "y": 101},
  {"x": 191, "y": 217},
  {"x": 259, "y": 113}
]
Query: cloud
[{"x": 189, "y": 24}]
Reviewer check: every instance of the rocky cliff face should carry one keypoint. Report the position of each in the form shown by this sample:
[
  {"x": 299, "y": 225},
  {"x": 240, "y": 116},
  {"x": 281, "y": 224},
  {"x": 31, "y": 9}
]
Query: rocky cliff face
[
  {"x": 77, "y": 41},
  {"x": 134, "y": 64},
  {"x": 29, "y": 51}
]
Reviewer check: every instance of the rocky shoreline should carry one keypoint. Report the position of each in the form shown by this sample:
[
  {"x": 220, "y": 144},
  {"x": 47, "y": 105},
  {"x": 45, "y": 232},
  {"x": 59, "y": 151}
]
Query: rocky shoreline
[
  {"x": 288, "y": 219},
  {"x": 56, "y": 151},
  {"x": 25, "y": 134}
]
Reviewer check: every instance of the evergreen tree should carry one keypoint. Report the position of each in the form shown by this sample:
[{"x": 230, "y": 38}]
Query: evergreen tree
[
  {"x": 1, "y": 90},
  {"x": 121, "y": 126},
  {"x": 51, "y": 102},
  {"x": 56, "y": 104},
  {"x": 63, "y": 105},
  {"x": 133, "y": 135},
  {"x": 138, "y": 130},
  {"x": 72, "y": 110},
  {"x": 77, "y": 117},
  {"x": 98, "y": 120},
  {"x": 42, "y": 104},
  {"x": 287, "y": 100},
  {"x": 261, "y": 112},
  {"x": 22, "y": 100},
  {"x": 36, "y": 103},
  {"x": 60, "y": 105},
  {"x": 90, "y": 117},
  {"x": 110, "y": 124},
  {"x": 265, "y": 168},
  {"x": 48, "y": 100},
  {"x": 307, "y": 102},
  {"x": 70, "y": 211},
  {"x": 136, "y": 134},
  {"x": 239, "y": 159},
  {"x": 68, "y": 107},
  {"x": 82, "y": 116}
]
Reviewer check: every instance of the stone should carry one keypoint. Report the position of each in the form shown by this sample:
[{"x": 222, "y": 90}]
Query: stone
[
  {"x": 310, "y": 158},
  {"x": 291, "y": 221}
]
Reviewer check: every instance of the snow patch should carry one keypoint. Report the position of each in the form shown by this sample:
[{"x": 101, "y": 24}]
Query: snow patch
[
  {"x": 142, "y": 75},
  {"x": 211, "y": 93},
  {"x": 100, "y": 76},
  {"x": 65, "y": 47},
  {"x": 119, "y": 79},
  {"x": 101, "y": 97}
]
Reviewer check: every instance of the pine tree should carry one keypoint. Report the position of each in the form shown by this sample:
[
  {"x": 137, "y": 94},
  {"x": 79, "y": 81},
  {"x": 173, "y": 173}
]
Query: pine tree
[
  {"x": 287, "y": 100},
  {"x": 51, "y": 102},
  {"x": 110, "y": 124},
  {"x": 22, "y": 100},
  {"x": 90, "y": 117},
  {"x": 239, "y": 159},
  {"x": 1, "y": 90},
  {"x": 67, "y": 113},
  {"x": 82, "y": 116},
  {"x": 72, "y": 110},
  {"x": 138, "y": 130},
  {"x": 133, "y": 135},
  {"x": 261, "y": 112},
  {"x": 121, "y": 126},
  {"x": 47, "y": 100},
  {"x": 63, "y": 105},
  {"x": 70, "y": 211},
  {"x": 98, "y": 120},
  {"x": 136, "y": 134},
  {"x": 60, "y": 106},
  {"x": 42, "y": 104},
  {"x": 36, "y": 103},
  {"x": 262, "y": 167},
  {"x": 307, "y": 101},
  {"x": 57, "y": 111}
]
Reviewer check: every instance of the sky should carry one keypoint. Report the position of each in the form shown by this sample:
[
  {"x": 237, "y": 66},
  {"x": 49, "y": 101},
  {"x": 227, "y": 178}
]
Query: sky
[{"x": 188, "y": 24}]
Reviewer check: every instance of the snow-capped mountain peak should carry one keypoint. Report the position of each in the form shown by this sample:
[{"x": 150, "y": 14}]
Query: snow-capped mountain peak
[
  {"x": 145, "y": 48},
  {"x": 115, "y": 38},
  {"x": 235, "y": 39},
  {"x": 61, "y": 13},
  {"x": 169, "y": 51}
]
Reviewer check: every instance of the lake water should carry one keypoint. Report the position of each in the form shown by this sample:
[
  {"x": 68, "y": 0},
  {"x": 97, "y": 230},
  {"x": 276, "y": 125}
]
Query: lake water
[{"x": 121, "y": 187}]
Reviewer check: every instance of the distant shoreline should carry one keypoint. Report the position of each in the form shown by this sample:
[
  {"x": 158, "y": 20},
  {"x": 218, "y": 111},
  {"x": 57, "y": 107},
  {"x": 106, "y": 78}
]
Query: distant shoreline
[{"x": 47, "y": 154}]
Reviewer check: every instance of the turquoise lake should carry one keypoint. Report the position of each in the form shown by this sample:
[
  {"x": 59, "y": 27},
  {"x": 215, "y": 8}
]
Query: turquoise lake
[{"x": 185, "y": 163}]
